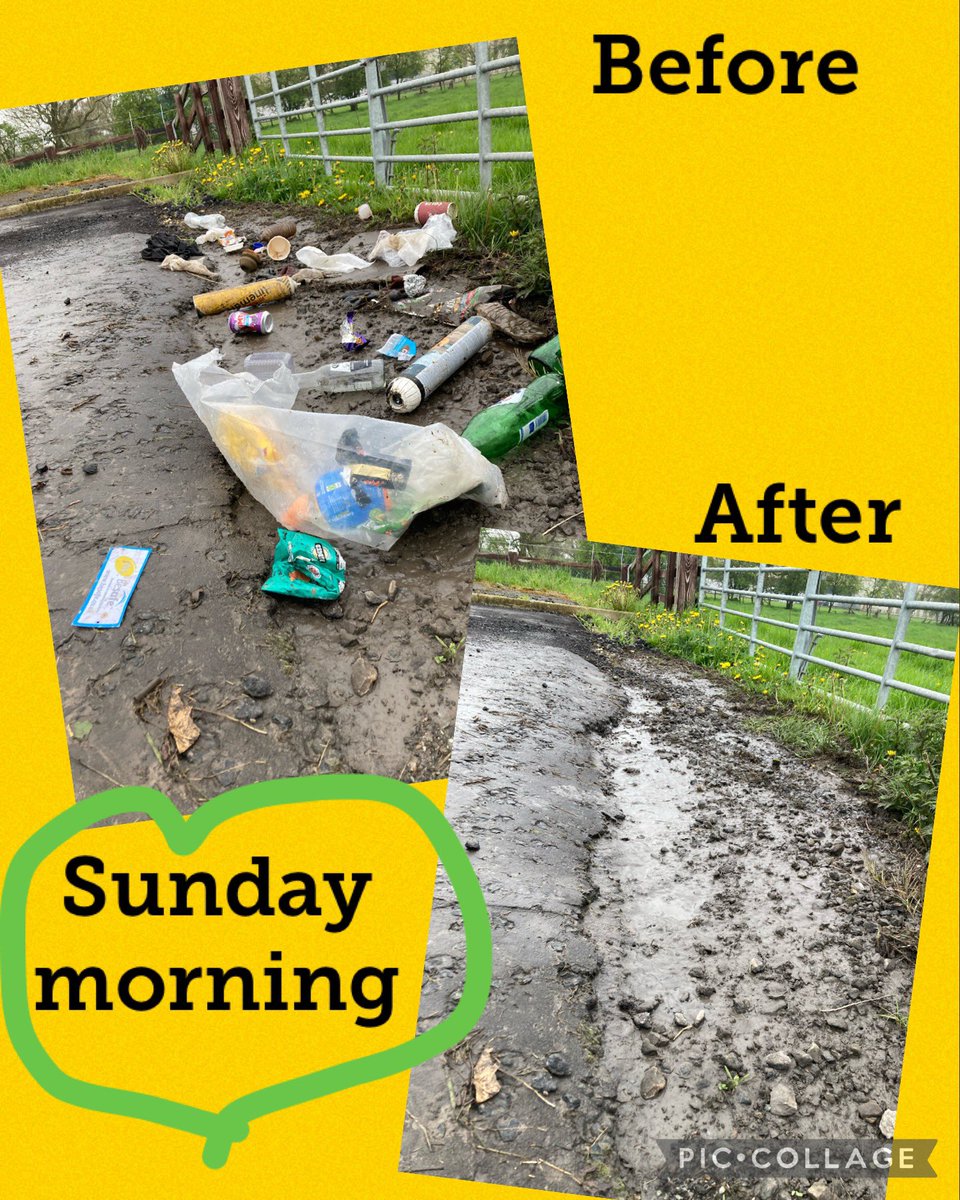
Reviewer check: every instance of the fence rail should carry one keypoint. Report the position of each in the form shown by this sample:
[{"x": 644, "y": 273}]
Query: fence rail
[
  {"x": 266, "y": 108},
  {"x": 807, "y": 630}
]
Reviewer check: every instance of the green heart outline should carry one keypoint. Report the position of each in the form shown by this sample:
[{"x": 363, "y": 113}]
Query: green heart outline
[{"x": 183, "y": 836}]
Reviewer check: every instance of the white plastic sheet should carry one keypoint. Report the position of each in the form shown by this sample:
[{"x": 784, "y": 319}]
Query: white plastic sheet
[
  {"x": 408, "y": 247},
  {"x": 340, "y": 477},
  {"x": 330, "y": 264}
]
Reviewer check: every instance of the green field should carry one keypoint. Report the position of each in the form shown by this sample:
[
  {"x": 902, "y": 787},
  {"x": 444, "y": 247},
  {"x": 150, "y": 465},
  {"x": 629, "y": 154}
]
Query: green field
[
  {"x": 508, "y": 133},
  {"x": 552, "y": 580},
  {"x": 128, "y": 164},
  {"x": 933, "y": 673}
]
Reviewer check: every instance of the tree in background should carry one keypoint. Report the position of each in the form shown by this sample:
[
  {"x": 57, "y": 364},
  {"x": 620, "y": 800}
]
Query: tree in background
[
  {"x": 396, "y": 67},
  {"x": 942, "y": 595},
  {"x": 834, "y": 584},
  {"x": 65, "y": 123},
  {"x": 148, "y": 108},
  {"x": 448, "y": 58},
  {"x": 788, "y": 583}
]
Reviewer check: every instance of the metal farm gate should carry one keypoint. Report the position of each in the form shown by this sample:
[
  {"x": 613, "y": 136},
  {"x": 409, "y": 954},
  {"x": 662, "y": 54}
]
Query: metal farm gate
[
  {"x": 806, "y": 631},
  {"x": 266, "y": 109}
]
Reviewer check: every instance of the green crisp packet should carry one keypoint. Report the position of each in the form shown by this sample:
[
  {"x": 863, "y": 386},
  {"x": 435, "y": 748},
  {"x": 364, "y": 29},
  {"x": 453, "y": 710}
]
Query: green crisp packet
[{"x": 306, "y": 567}]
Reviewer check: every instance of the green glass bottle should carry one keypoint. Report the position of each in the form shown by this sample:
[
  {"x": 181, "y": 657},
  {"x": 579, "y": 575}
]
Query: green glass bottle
[
  {"x": 497, "y": 430},
  {"x": 546, "y": 360}
]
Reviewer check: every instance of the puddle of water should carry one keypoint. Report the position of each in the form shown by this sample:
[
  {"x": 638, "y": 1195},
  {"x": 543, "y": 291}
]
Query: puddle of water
[{"x": 659, "y": 804}]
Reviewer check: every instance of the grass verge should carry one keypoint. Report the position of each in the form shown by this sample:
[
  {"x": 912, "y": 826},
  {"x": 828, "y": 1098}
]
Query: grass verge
[{"x": 897, "y": 751}]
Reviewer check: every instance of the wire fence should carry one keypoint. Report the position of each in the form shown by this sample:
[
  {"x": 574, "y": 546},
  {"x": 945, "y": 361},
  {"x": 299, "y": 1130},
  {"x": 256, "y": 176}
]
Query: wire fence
[
  {"x": 716, "y": 581},
  {"x": 267, "y": 109}
]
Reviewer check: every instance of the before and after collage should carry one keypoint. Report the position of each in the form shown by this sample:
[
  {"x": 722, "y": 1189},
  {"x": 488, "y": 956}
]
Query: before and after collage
[{"x": 307, "y": 497}]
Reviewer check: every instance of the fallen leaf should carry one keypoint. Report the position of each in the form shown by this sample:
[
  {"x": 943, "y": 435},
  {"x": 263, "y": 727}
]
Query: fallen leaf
[
  {"x": 80, "y": 729},
  {"x": 485, "y": 1082},
  {"x": 180, "y": 721}
]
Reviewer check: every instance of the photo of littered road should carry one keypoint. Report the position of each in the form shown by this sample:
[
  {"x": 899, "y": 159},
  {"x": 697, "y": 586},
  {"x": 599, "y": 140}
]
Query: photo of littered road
[
  {"x": 278, "y": 687},
  {"x": 677, "y": 904}
]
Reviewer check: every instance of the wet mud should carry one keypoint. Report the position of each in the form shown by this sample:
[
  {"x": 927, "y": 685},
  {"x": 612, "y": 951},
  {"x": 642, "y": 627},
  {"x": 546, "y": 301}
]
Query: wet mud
[
  {"x": 117, "y": 456},
  {"x": 692, "y": 932}
]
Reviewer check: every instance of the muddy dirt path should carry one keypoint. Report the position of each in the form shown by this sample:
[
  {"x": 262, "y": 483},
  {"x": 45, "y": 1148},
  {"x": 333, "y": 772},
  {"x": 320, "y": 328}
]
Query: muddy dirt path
[
  {"x": 94, "y": 330},
  {"x": 677, "y": 903}
]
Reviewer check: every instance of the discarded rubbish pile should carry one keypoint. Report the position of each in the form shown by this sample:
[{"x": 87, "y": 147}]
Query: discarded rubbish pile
[{"x": 329, "y": 475}]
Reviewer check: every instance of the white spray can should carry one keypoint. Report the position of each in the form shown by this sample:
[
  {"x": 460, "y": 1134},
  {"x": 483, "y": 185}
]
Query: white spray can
[{"x": 426, "y": 373}]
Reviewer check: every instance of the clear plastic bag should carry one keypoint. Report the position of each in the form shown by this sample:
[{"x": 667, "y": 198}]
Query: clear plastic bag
[
  {"x": 212, "y": 221},
  {"x": 332, "y": 476}
]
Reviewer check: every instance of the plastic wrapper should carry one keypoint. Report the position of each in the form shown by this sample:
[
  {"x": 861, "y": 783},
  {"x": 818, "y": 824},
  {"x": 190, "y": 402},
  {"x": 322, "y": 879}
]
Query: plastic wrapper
[
  {"x": 307, "y": 568},
  {"x": 406, "y": 248},
  {"x": 329, "y": 475},
  {"x": 209, "y": 222},
  {"x": 329, "y": 264}
]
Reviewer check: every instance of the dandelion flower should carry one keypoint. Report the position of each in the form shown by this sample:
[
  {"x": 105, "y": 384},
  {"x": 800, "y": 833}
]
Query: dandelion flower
[
  {"x": 724, "y": 665},
  {"x": 514, "y": 232},
  {"x": 891, "y": 754}
]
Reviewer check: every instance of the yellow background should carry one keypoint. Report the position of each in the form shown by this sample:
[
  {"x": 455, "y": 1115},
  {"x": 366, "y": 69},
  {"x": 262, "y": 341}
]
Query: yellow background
[{"x": 750, "y": 289}]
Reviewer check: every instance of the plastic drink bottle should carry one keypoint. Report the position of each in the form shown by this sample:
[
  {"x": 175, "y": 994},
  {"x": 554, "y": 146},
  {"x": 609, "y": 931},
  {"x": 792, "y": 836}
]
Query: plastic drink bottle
[
  {"x": 546, "y": 360},
  {"x": 265, "y": 363},
  {"x": 357, "y": 375},
  {"x": 500, "y": 428}
]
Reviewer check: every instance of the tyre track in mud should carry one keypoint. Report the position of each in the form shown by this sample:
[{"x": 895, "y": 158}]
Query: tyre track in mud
[{"x": 728, "y": 928}]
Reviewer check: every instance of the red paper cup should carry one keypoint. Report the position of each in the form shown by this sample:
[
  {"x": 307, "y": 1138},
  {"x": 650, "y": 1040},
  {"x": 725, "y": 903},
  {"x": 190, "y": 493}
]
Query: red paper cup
[{"x": 431, "y": 208}]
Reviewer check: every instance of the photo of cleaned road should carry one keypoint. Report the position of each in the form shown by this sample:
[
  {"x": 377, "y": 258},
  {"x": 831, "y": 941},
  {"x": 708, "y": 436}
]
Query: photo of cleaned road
[{"x": 696, "y": 933}]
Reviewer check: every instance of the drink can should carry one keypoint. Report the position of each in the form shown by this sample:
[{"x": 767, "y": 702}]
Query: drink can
[{"x": 250, "y": 322}]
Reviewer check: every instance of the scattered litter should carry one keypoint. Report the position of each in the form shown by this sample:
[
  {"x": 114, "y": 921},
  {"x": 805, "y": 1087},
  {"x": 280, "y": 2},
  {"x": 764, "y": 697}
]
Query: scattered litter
[
  {"x": 430, "y": 370},
  {"x": 286, "y": 227},
  {"x": 501, "y": 427},
  {"x": 195, "y": 221},
  {"x": 357, "y": 375},
  {"x": 364, "y": 212},
  {"x": 432, "y": 208},
  {"x": 250, "y": 322},
  {"x": 212, "y": 235},
  {"x": 230, "y": 242},
  {"x": 350, "y": 340},
  {"x": 505, "y": 321},
  {"x": 329, "y": 474},
  {"x": 403, "y": 349},
  {"x": 173, "y": 262},
  {"x": 447, "y": 305},
  {"x": 328, "y": 264},
  {"x": 408, "y": 247},
  {"x": 245, "y": 296},
  {"x": 278, "y": 248},
  {"x": 485, "y": 1082},
  {"x": 180, "y": 721},
  {"x": 414, "y": 285},
  {"x": 265, "y": 363},
  {"x": 113, "y": 588},
  {"x": 159, "y": 245},
  {"x": 306, "y": 567}
]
